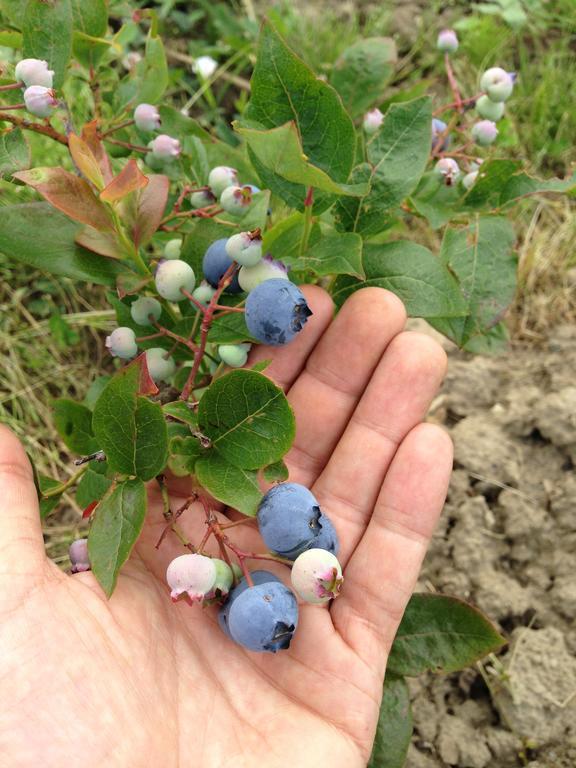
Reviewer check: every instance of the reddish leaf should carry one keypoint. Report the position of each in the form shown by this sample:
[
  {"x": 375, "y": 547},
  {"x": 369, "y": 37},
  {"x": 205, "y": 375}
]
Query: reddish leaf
[
  {"x": 91, "y": 138},
  {"x": 128, "y": 180},
  {"x": 89, "y": 509},
  {"x": 103, "y": 243},
  {"x": 70, "y": 194},
  {"x": 151, "y": 204},
  {"x": 146, "y": 385},
  {"x": 85, "y": 160}
]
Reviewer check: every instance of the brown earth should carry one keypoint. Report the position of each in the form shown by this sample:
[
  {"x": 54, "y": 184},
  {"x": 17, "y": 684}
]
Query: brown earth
[{"x": 507, "y": 543}]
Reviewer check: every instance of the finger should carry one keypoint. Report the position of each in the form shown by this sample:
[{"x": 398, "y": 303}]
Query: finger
[
  {"x": 326, "y": 393},
  {"x": 396, "y": 400},
  {"x": 288, "y": 360},
  {"x": 21, "y": 543},
  {"x": 383, "y": 570}
]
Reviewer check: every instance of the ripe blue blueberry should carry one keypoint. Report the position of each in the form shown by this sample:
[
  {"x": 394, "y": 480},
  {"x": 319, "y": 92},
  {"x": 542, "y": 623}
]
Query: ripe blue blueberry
[
  {"x": 245, "y": 248},
  {"x": 497, "y": 83},
  {"x": 122, "y": 343},
  {"x": 34, "y": 72},
  {"x": 234, "y": 355},
  {"x": 276, "y": 310},
  {"x": 372, "y": 121},
  {"x": 266, "y": 269},
  {"x": 447, "y": 41},
  {"x": 264, "y": 617},
  {"x": 258, "y": 577},
  {"x": 290, "y": 521},
  {"x": 160, "y": 365},
  {"x": 222, "y": 177},
  {"x": 438, "y": 128},
  {"x": 216, "y": 263},
  {"x": 172, "y": 276},
  {"x": 236, "y": 200},
  {"x": 484, "y": 132},
  {"x": 78, "y": 554},
  {"x": 40, "y": 101},
  {"x": 173, "y": 248},
  {"x": 164, "y": 148},
  {"x": 491, "y": 110},
  {"x": 316, "y": 576},
  {"x": 147, "y": 118},
  {"x": 143, "y": 307},
  {"x": 192, "y": 575}
]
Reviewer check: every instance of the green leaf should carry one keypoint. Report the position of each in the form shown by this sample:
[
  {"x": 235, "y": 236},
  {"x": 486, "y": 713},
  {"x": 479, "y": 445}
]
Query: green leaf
[
  {"x": 92, "y": 486},
  {"x": 395, "y": 725},
  {"x": 115, "y": 529},
  {"x": 362, "y": 72},
  {"x": 90, "y": 17},
  {"x": 523, "y": 185},
  {"x": 47, "y": 34},
  {"x": 55, "y": 251},
  {"x": 184, "y": 451},
  {"x": 412, "y": 272},
  {"x": 14, "y": 153},
  {"x": 174, "y": 123},
  {"x": 491, "y": 180},
  {"x": 276, "y": 473},
  {"x": 46, "y": 483},
  {"x": 73, "y": 423},
  {"x": 481, "y": 257},
  {"x": 280, "y": 151},
  {"x": 284, "y": 89},
  {"x": 398, "y": 154},
  {"x": 129, "y": 428},
  {"x": 238, "y": 488},
  {"x": 435, "y": 200},
  {"x": 153, "y": 73},
  {"x": 10, "y": 39},
  {"x": 229, "y": 329},
  {"x": 179, "y": 410},
  {"x": 89, "y": 50},
  {"x": 333, "y": 254},
  {"x": 441, "y": 634},
  {"x": 247, "y": 418}
]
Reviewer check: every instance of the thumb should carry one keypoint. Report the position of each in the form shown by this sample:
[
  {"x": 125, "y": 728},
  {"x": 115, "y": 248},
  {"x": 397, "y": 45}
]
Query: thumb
[{"x": 21, "y": 544}]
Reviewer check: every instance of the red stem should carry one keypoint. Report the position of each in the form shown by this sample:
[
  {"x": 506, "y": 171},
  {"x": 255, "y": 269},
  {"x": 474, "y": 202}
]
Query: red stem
[
  {"x": 453, "y": 83},
  {"x": 11, "y": 87},
  {"x": 7, "y": 107},
  {"x": 454, "y": 104},
  {"x": 46, "y": 130},
  {"x": 119, "y": 127},
  {"x": 127, "y": 145}
]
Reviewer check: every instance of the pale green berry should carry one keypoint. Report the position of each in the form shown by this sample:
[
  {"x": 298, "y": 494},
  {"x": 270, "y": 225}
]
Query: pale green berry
[
  {"x": 160, "y": 365},
  {"x": 173, "y": 249},
  {"x": 172, "y": 276},
  {"x": 143, "y": 307},
  {"x": 491, "y": 110},
  {"x": 234, "y": 355},
  {"x": 245, "y": 248}
]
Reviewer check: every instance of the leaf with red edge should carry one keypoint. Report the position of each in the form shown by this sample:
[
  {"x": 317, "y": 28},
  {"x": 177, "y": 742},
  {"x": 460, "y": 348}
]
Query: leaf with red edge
[
  {"x": 92, "y": 139},
  {"x": 85, "y": 160},
  {"x": 70, "y": 194},
  {"x": 150, "y": 210},
  {"x": 103, "y": 243},
  {"x": 89, "y": 509},
  {"x": 146, "y": 384},
  {"x": 128, "y": 180}
]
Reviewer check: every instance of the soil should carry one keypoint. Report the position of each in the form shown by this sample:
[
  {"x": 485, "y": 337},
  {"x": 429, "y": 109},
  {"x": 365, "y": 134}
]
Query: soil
[{"x": 507, "y": 543}]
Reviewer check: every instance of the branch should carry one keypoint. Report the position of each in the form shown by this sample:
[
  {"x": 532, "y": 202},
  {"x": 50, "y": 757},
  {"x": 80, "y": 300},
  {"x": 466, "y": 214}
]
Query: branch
[{"x": 45, "y": 129}]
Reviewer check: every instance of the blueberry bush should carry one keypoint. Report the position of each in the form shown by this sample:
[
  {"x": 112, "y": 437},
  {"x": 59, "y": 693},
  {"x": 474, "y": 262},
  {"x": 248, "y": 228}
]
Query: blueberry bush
[{"x": 202, "y": 244}]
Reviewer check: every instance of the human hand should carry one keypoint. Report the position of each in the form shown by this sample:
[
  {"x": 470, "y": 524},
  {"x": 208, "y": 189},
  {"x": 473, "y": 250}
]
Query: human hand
[{"x": 137, "y": 681}]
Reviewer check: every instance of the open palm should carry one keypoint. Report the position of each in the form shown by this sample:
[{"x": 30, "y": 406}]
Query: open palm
[{"x": 138, "y": 681}]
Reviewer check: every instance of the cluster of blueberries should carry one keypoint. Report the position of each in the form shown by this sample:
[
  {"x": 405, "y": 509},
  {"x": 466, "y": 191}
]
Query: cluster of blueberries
[
  {"x": 496, "y": 85},
  {"x": 275, "y": 308},
  {"x": 257, "y": 610}
]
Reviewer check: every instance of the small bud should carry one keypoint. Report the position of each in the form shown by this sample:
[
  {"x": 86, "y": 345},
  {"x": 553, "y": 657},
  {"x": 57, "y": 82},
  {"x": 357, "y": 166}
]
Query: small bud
[
  {"x": 221, "y": 177},
  {"x": 40, "y": 101},
  {"x": 204, "y": 67},
  {"x": 34, "y": 72},
  {"x": 122, "y": 343},
  {"x": 317, "y": 576},
  {"x": 447, "y": 41},
  {"x": 78, "y": 554},
  {"x": 147, "y": 118},
  {"x": 372, "y": 121},
  {"x": 192, "y": 575},
  {"x": 484, "y": 132},
  {"x": 173, "y": 248},
  {"x": 448, "y": 169},
  {"x": 164, "y": 147}
]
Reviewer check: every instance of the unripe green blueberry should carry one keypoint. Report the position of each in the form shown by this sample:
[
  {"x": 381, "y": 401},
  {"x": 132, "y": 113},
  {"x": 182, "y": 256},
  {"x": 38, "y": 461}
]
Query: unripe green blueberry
[
  {"x": 147, "y": 118},
  {"x": 372, "y": 121},
  {"x": 222, "y": 177},
  {"x": 491, "y": 110},
  {"x": 317, "y": 576},
  {"x": 222, "y": 581},
  {"x": 143, "y": 308},
  {"x": 448, "y": 169},
  {"x": 204, "y": 292},
  {"x": 122, "y": 343},
  {"x": 484, "y": 132},
  {"x": 236, "y": 200},
  {"x": 172, "y": 276},
  {"x": 497, "y": 83},
  {"x": 202, "y": 198},
  {"x": 266, "y": 269},
  {"x": 173, "y": 248},
  {"x": 245, "y": 248},
  {"x": 160, "y": 365},
  {"x": 165, "y": 148},
  {"x": 234, "y": 355},
  {"x": 34, "y": 72},
  {"x": 447, "y": 41},
  {"x": 469, "y": 179},
  {"x": 40, "y": 101},
  {"x": 193, "y": 575}
]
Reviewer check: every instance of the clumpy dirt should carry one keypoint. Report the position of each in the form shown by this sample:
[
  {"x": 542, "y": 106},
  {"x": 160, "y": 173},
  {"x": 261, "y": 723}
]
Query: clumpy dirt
[{"x": 507, "y": 543}]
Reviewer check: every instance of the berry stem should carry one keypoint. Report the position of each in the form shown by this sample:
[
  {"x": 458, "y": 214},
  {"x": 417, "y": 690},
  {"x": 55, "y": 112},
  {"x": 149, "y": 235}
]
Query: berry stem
[
  {"x": 453, "y": 104},
  {"x": 453, "y": 83},
  {"x": 7, "y": 107},
  {"x": 127, "y": 145},
  {"x": 24, "y": 123},
  {"x": 59, "y": 489},
  {"x": 115, "y": 128},
  {"x": 11, "y": 86}
]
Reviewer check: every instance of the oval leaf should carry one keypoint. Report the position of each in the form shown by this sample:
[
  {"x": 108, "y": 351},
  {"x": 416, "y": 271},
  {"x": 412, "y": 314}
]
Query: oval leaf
[
  {"x": 238, "y": 488},
  {"x": 395, "y": 726},
  {"x": 73, "y": 422},
  {"x": 14, "y": 153},
  {"x": 47, "y": 34}
]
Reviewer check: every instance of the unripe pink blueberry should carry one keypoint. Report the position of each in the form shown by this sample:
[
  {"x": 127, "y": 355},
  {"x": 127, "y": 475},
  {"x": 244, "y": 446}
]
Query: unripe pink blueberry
[
  {"x": 122, "y": 343},
  {"x": 470, "y": 179},
  {"x": 202, "y": 198},
  {"x": 484, "y": 132},
  {"x": 204, "y": 292},
  {"x": 447, "y": 41},
  {"x": 491, "y": 110},
  {"x": 171, "y": 276},
  {"x": 192, "y": 575},
  {"x": 160, "y": 365},
  {"x": 266, "y": 269},
  {"x": 245, "y": 248},
  {"x": 221, "y": 177},
  {"x": 164, "y": 147},
  {"x": 34, "y": 72},
  {"x": 143, "y": 308},
  {"x": 147, "y": 117},
  {"x": 497, "y": 83},
  {"x": 78, "y": 554},
  {"x": 236, "y": 200},
  {"x": 317, "y": 576},
  {"x": 40, "y": 101},
  {"x": 448, "y": 168},
  {"x": 372, "y": 121}
]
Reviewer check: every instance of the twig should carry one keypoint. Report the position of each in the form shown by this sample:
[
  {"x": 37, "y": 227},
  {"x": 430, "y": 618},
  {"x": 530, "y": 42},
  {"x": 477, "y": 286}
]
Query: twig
[{"x": 46, "y": 130}]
